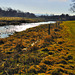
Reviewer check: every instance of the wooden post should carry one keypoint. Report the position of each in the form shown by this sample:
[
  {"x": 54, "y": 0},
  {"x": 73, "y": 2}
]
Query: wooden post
[
  {"x": 49, "y": 29},
  {"x": 56, "y": 23}
]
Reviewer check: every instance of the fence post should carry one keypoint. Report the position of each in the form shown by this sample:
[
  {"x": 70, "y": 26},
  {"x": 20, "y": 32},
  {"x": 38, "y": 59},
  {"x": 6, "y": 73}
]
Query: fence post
[
  {"x": 49, "y": 29},
  {"x": 56, "y": 23}
]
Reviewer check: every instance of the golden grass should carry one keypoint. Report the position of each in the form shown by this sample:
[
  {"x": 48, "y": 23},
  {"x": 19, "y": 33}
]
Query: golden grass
[
  {"x": 52, "y": 55},
  {"x": 20, "y": 18},
  {"x": 69, "y": 28}
]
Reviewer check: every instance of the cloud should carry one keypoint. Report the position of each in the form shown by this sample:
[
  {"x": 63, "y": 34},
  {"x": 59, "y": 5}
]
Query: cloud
[{"x": 58, "y": 0}]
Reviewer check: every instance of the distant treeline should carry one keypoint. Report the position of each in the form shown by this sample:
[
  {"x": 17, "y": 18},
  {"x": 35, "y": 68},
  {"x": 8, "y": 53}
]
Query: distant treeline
[
  {"x": 63, "y": 17},
  {"x": 9, "y": 12}
]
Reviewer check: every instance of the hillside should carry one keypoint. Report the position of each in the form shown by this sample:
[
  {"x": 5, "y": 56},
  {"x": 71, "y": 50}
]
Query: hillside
[{"x": 50, "y": 55}]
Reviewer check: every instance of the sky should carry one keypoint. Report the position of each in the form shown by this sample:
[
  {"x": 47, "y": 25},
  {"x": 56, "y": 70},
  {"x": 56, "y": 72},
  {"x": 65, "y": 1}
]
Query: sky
[{"x": 39, "y": 6}]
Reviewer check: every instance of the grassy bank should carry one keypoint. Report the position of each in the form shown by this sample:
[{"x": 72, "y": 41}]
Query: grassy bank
[
  {"x": 69, "y": 28},
  {"x": 51, "y": 55},
  {"x": 18, "y": 20}
]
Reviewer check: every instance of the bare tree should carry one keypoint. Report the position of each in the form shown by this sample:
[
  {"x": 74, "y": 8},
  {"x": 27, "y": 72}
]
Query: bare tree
[{"x": 73, "y": 6}]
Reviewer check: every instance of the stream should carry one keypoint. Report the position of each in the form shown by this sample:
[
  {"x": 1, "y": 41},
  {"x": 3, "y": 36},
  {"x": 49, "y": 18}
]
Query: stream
[{"x": 7, "y": 30}]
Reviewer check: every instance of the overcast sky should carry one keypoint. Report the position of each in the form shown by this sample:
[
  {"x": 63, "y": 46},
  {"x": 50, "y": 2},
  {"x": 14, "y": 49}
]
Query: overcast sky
[{"x": 39, "y": 6}]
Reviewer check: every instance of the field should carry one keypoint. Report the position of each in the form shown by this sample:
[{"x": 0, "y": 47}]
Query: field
[
  {"x": 70, "y": 29},
  {"x": 51, "y": 54},
  {"x": 18, "y": 20}
]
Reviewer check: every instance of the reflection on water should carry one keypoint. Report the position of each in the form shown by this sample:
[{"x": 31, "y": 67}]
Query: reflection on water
[{"x": 5, "y": 31}]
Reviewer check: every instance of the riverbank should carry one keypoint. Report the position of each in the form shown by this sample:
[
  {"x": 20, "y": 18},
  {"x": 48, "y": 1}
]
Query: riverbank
[
  {"x": 7, "y": 30},
  {"x": 18, "y": 20},
  {"x": 51, "y": 55}
]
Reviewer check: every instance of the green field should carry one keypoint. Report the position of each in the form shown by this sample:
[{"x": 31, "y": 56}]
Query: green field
[{"x": 70, "y": 29}]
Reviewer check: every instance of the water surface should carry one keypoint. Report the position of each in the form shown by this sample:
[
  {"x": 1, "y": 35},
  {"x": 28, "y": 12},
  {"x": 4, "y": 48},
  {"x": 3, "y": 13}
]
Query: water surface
[{"x": 7, "y": 30}]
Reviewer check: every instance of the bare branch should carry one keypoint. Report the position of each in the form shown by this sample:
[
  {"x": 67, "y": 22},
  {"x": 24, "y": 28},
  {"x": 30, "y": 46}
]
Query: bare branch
[{"x": 73, "y": 6}]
